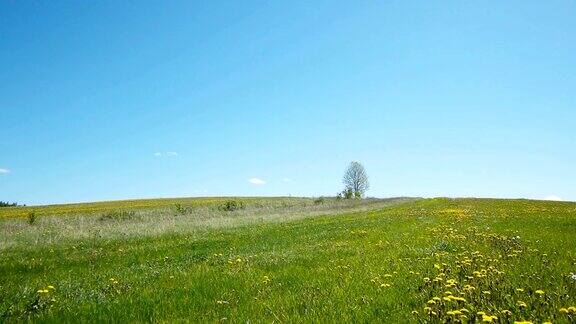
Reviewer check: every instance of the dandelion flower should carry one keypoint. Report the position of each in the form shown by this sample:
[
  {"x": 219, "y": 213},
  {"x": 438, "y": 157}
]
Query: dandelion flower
[
  {"x": 488, "y": 318},
  {"x": 521, "y": 304}
]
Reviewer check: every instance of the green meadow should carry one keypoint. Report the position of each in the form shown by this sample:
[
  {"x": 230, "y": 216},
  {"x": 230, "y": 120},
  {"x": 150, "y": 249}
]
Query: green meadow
[{"x": 290, "y": 260}]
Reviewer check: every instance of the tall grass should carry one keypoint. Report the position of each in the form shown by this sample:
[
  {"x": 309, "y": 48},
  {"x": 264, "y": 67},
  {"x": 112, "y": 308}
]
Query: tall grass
[{"x": 122, "y": 224}]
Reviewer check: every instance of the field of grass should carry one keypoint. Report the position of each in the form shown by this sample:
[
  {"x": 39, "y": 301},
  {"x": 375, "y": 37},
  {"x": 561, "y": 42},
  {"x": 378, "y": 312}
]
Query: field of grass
[
  {"x": 132, "y": 205},
  {"x": 399, "y": 260}
]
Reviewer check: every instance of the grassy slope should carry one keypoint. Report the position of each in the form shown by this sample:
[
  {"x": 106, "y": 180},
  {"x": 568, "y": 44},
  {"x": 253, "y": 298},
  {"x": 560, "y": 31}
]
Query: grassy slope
[
  {"x": 328, "y": 268},
  {"x": 136, "y": 204}
]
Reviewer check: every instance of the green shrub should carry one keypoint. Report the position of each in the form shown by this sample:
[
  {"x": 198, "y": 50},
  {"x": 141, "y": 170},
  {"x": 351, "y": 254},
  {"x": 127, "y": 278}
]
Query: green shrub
[
  {"x": 180, "y": 209},
  {"x": 231, "y": 205},
  {"x": 7, "y": 204},
  {"x": 348, "y": 194},
  {"x": 31, "y": 218},
  {"x": 118, "y": 215},
  {"x": 319, "y": 201}
]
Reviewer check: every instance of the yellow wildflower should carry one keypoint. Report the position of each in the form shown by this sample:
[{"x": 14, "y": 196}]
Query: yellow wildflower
[
  {"x": 488, "y": 318},
  {"x": 521, "y": 304}
]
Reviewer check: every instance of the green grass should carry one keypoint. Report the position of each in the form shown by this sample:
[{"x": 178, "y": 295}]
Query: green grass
[
  {"x": 138, "y": 204},
  {"x": 372, "y": 261}
]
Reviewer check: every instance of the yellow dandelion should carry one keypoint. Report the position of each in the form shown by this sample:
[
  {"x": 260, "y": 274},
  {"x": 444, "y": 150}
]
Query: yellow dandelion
[{"x": 521, "y": 304}]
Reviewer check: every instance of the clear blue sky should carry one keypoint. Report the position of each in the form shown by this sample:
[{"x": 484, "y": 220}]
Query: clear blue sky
[{"x": 120, "y": 99}]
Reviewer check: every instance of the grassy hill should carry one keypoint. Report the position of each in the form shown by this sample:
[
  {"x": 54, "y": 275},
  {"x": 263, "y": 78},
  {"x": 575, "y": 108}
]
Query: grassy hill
[
  {"x": 135, "y": 205},
  {"x": 298, "y": 260}
]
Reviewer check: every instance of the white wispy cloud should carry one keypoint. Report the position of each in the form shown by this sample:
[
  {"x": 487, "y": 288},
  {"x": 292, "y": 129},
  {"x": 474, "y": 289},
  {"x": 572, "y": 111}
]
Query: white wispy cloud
[
  {"x": 287, "y": 180},
  {"x": 257, "y": 181},
  {"x": 4, "y": 171},
  {"x": 168, "y": 154},
  {"x": 553, "y": 198}
]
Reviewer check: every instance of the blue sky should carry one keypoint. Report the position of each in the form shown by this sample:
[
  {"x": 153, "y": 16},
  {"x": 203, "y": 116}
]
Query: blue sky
[{"x": 118, "y": 99}]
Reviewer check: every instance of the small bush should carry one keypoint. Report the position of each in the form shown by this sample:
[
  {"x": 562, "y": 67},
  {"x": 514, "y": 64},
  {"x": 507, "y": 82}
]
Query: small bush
[
  {"x": 180, "y": 209},
  {"x": 319, "y": 201},
  {"x": 231, "y": 205},
  {"x": 7, "y": 204},
  {"x": 183, "y": 210},
  {"x": 31, "y": 218},
  {"x": 348, "y": 194},
  {"x": 118, "y": 215}
]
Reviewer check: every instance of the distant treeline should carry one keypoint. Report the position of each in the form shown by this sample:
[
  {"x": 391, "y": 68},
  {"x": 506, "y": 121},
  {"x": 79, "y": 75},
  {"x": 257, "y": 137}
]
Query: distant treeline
[{"x": 8, "y": 204}]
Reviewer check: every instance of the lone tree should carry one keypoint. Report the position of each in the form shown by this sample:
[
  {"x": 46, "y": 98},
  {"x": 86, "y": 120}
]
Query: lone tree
[{"x": 355, "y": 180}]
